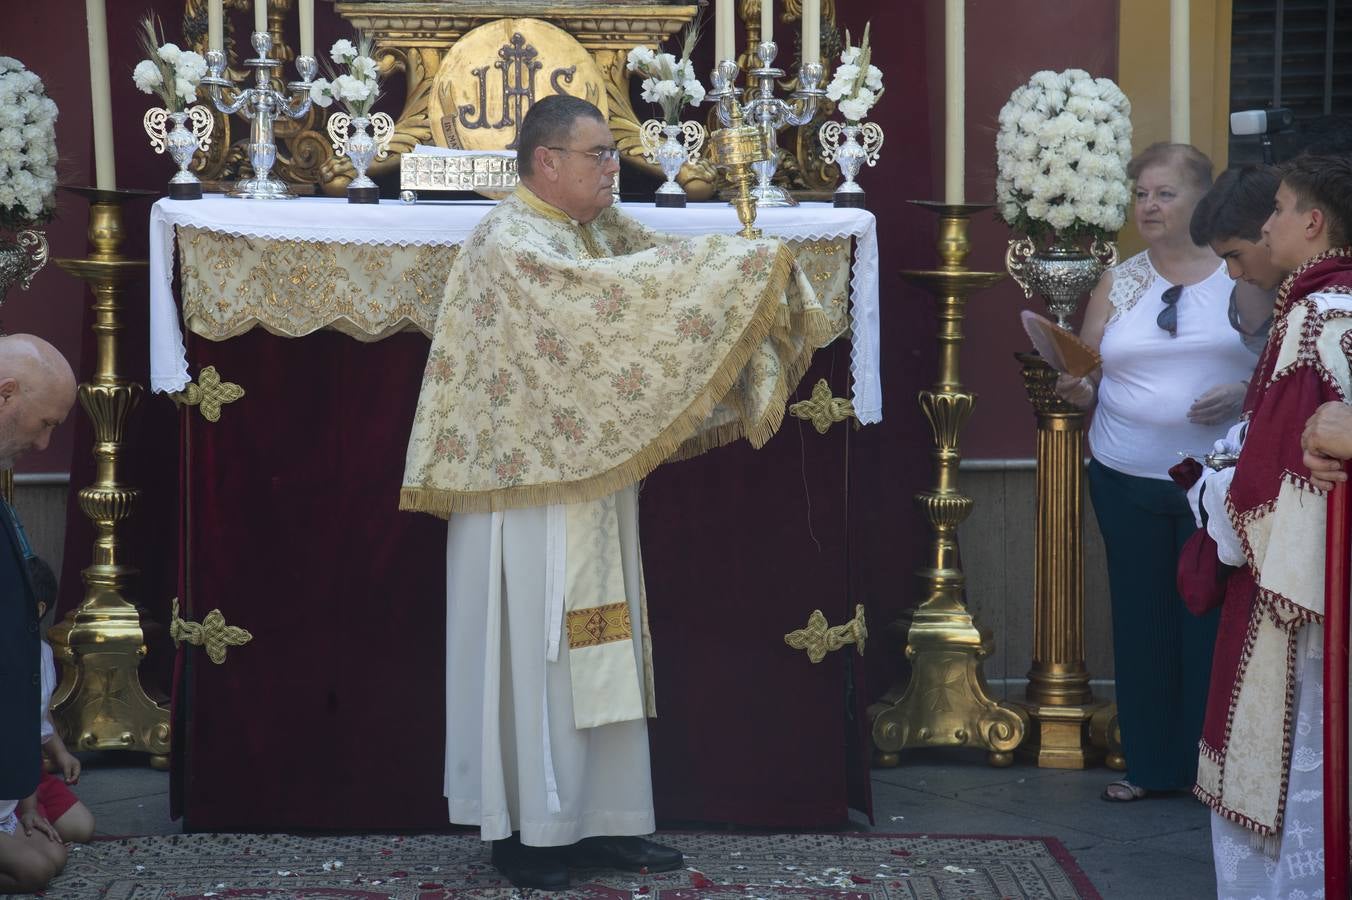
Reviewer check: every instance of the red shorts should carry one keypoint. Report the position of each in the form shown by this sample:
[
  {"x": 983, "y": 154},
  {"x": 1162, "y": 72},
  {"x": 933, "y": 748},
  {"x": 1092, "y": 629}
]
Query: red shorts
[{"x": 54, "y": 798}]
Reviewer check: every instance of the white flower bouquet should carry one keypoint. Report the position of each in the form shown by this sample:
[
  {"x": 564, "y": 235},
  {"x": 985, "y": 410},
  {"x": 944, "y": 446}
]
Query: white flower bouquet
[
  {"x": 27, "y": 147},
  {"x": 1062, "y": 153},
  {"x": 857, "y": 84},
  {"x": 168, "y": 71},
  {"x": 359, "y": 88},
  {"x": 667, "y": 81}
]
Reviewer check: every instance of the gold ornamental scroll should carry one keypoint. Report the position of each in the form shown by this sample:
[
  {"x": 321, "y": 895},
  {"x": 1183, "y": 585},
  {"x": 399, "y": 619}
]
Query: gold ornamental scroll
[{"x": 414, "y": 37}]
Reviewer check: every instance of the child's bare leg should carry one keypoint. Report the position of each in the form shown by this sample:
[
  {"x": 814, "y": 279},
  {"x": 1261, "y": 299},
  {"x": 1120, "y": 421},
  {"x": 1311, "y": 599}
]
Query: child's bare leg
[
  {"x": 76, "y": 824},
  {"x": 28, "y": 862}
]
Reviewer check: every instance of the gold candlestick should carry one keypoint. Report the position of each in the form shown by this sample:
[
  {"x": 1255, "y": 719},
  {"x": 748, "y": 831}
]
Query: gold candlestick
[
  {"x": 946, "y": 702},
  {"x": 735, "y": 149},
  {"x": 1060, "y": 701},
  {"x": 100, "y": 703}
]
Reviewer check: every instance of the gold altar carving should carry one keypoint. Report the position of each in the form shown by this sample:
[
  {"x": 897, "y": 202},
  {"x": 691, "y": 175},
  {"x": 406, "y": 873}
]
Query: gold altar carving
[
  {"x": 209, "y": 394},
  {"x": 817, "y": 639},
  {"x": 100, "y": 703},
  {"x": 1059, "y": 699},
  {"x": 412, "y": 39},
  {"x": 212, "y": 633},
  {"x": 946, "y": 701},
  {"x": 232, "y": 284},
  {"x": 478, "y": 102},
  {"x": 823, "y": 410}
]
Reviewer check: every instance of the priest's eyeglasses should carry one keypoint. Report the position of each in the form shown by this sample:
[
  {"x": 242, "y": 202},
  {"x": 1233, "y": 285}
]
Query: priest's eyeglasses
[{"x": 601, "y": 156}]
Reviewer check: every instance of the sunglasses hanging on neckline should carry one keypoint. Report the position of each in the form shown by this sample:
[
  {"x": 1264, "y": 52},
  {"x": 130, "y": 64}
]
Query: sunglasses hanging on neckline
[{"x": 1168, "y": 317}]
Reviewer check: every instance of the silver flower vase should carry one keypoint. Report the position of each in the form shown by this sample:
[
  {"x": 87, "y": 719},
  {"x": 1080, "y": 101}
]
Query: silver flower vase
[
  {"x": 20, "y": 259},
  {"x": 670, "y": 147},
  {"x": 352, "y": 139},
  {"x": 1061, "y": 273},
  {"x": 861, "y": 144},
  {"x": 182, "y": 141}
]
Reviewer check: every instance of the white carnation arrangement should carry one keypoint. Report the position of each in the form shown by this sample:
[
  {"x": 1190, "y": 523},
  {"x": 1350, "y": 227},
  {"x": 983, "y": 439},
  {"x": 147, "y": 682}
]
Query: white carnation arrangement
[
  {"x": 27, "y": 147},
  {"x": 667, "y": 81},
  {"x": 358, "y": 88},
  {"x": 1061, "y": 157},
  {"x": 168, "y": 71},
  {"x": 857, "y": 84}
]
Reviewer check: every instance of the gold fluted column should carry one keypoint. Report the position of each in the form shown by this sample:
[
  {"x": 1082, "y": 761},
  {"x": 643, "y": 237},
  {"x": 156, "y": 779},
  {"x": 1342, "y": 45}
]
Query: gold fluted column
[
  {"x": 100, "y": 703},
  {"x": 1060, "y": 702},
  {"x": 946, "y": 701}
]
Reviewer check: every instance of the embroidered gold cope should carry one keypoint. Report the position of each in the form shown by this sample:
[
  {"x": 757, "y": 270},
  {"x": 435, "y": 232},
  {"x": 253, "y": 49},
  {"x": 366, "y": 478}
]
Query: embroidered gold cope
[{"x": 568, "y": 361}]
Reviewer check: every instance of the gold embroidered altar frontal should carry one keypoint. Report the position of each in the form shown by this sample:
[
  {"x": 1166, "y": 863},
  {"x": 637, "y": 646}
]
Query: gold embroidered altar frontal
[{"x": 234, "y": 283}]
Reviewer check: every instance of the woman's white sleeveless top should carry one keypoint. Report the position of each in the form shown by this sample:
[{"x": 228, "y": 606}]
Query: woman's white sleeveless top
[{"x": 1151, "y": 379}]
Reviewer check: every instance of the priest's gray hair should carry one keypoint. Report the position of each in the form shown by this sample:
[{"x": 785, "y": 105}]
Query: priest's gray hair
[{"x": 548, "y": 123}]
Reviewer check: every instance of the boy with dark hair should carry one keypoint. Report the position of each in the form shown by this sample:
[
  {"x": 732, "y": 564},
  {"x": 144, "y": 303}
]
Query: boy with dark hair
[
  {"x": 1259, "y": 768},
  {"x": 1230, "y": 220}
]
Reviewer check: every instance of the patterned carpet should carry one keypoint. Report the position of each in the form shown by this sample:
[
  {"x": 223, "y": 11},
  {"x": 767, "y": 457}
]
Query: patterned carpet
[{"x": 452, "y": 866}]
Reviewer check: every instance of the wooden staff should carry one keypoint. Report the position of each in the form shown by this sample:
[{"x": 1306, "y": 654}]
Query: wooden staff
[{"x": 1337, "y": 557}]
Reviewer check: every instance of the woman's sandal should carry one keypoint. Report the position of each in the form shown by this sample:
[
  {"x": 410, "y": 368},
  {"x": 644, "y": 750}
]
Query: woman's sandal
[{"x": 1122, "y": 791}]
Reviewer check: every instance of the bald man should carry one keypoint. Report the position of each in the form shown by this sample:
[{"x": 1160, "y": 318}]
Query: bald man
[{"x": 37, "y": 390}]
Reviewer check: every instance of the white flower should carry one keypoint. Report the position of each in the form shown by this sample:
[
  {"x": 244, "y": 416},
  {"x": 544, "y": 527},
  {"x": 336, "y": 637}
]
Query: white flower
[
  {"x": 147, "y": 77},
  {"x": 342, "y": 51},
  {"x": 847, "y": 72},
  {"x": 666, "y": 88},
  {"x": 351, "y": 90},
  {"x": 363, "y": 67},
  {"x": 640, "y": 58},
  {"x": 850, "y": 55},
  {"x": 1062, "y": 149},
  {"x": 321, "y": 92},
  {"x": 170, "y": 53},
  {"x": 191, "y": 65},
  {"x": 852, "y": 110},
  {"x": 873, "y": 78},
  {"x": 694, "y": 92},
  {"x": 186, "y": 89}
]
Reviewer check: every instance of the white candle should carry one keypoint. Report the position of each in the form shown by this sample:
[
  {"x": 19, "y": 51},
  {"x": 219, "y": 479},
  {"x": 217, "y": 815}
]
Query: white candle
[
  {"x": 724, "y": 42},
  {"x": 307, "y": 27},
  {"x": 215, "y": 28},
  {"x": 767, "y": 20},
  {"x": 812, "y": 31},
  {"x": 101, "y": 94},
  {"x": 260, "y": 15},
  {"x": 954, "y": 96},
  {"x": 1180, "y": 97}
]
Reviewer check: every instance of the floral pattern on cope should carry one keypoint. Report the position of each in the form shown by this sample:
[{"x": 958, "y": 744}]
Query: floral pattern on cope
[{"x": 561, "y": 374}]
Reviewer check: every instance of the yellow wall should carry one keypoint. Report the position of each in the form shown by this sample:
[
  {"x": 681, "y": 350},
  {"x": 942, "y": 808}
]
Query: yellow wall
[{"x": 1143, "y": 74}]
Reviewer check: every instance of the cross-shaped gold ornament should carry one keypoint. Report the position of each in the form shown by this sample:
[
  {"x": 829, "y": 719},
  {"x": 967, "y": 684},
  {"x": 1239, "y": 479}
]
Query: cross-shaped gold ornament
[
  {"x": 823, "y": 410},
  {"x": 209, "y": 394},
  {"x": 212, "y": 633}
]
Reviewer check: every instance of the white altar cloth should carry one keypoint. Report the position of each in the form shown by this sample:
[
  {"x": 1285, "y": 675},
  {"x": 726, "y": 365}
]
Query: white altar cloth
[{"x": 448, "y": 223}]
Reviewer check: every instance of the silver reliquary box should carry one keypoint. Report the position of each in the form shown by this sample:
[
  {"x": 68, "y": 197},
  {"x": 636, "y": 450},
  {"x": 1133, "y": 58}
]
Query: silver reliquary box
[{"x": 491, "y": 173}]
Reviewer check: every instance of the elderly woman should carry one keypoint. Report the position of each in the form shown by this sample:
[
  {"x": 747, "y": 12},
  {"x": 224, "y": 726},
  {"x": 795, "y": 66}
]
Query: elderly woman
[{"x": 1173, "y": 379}]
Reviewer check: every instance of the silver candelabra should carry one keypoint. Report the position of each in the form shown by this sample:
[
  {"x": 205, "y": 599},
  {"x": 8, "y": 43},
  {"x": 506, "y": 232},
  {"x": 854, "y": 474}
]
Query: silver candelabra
[
  {"x": 761, "y": 107},
  {"x": 261, "y": 105}
]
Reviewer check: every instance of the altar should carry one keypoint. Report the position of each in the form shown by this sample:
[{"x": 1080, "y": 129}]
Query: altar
[{"x": 296, "y": 341}]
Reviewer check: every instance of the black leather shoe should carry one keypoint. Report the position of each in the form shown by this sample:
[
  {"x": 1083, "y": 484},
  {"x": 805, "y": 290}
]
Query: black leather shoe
[
  {"x": 628, "y": 854},
  {"x": 541, "y": 868}
]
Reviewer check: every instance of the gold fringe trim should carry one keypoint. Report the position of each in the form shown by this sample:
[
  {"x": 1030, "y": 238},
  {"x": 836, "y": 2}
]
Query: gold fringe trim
[{"x": 441, "y": 502}]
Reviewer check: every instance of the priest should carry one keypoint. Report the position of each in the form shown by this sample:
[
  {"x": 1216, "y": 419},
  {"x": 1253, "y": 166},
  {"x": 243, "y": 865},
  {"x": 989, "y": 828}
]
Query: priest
[{"x": 575, "y": 351}]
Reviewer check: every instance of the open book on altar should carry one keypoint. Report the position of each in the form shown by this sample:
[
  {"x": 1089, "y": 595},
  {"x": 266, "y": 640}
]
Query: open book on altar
[{"x": 1059, "y": 346}]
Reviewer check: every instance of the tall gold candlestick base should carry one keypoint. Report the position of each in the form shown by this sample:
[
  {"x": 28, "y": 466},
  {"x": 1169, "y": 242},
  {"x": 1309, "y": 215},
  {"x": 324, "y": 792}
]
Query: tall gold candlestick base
[
  {"x": 100, "y": 703},
  {"x": 946, "y": 702},
  {"x": 1060, "y": 702}
]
